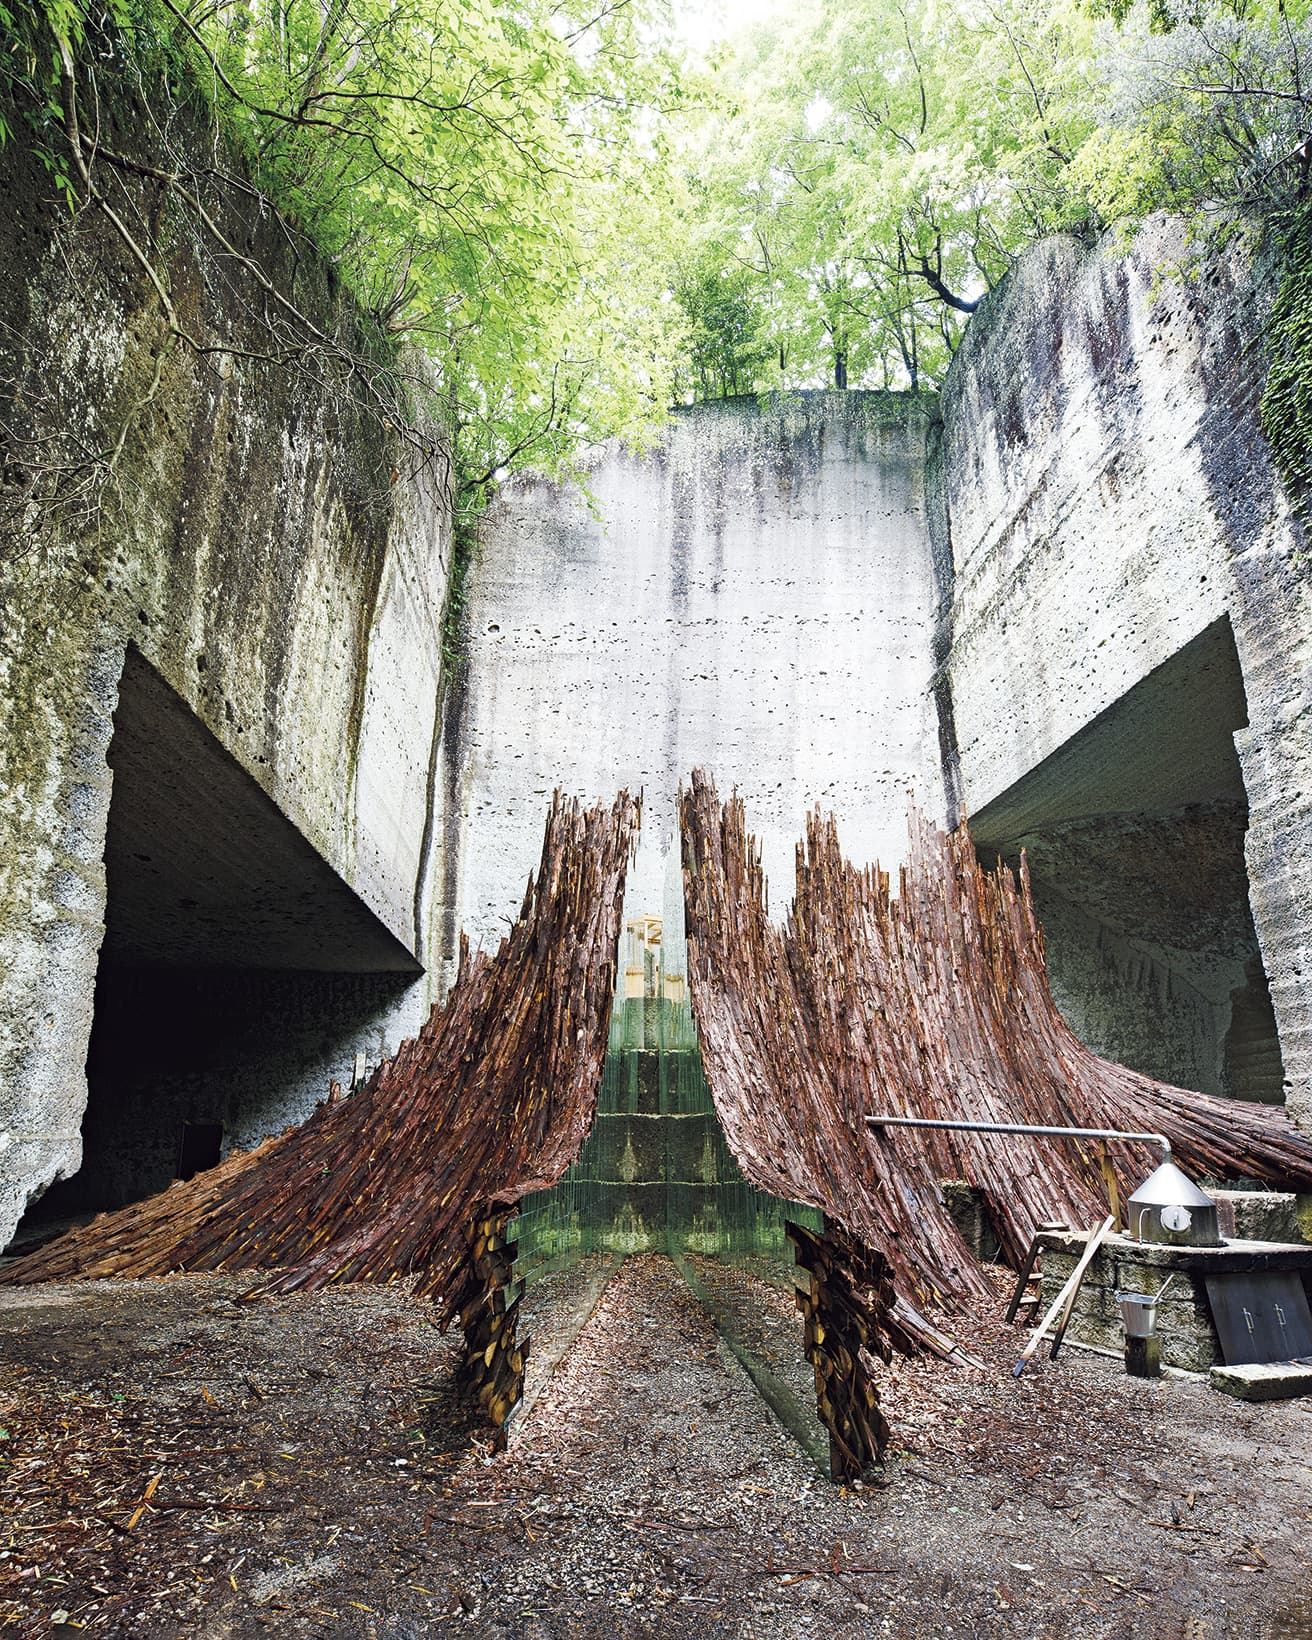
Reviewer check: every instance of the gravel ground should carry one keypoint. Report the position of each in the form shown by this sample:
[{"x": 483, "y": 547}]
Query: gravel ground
[
  {"x": 752, "y": 1303},
  {"x": 176, "y": 1463}
]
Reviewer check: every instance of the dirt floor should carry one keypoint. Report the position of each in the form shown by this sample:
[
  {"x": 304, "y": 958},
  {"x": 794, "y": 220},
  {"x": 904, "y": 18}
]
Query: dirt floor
[{"x": 173, "y": 1462}]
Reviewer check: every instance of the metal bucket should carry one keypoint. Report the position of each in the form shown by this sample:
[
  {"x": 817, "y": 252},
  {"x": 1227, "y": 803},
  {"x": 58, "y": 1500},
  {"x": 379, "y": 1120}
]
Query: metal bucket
[{"x": 1138, "y": 1314}]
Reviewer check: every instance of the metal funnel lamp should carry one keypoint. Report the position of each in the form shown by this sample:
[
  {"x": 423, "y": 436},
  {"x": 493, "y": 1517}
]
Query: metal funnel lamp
[{"x": 1168, "y": 1208}]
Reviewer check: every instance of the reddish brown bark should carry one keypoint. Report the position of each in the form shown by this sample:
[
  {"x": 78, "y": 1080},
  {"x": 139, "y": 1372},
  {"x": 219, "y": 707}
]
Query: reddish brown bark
[
  {"x": 934, "y": 1003},
  {"x": 493, "y": 1098}
]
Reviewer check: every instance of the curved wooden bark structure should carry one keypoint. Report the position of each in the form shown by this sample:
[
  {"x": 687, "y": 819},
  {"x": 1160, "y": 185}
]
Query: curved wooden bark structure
[
  {"x": 492, "y": 1099},
  {"x": 933, "y": 1003}
]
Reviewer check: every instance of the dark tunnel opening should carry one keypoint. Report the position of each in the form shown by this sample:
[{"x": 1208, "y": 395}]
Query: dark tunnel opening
[
  {"x": 238, "y": 974},
  {"x": 1134, "y": 831}
]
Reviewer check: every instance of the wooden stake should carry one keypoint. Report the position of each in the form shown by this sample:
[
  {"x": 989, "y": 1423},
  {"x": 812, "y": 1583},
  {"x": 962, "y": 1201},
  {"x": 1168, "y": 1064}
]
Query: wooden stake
[{"x": 1066, "y": 1295}]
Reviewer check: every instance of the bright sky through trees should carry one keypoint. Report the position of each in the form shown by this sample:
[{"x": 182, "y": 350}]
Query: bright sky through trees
[
  {"x": 702, "y": 26},
  {"x": 582, "y": 214},
  {"x": 870, "y": 168}
]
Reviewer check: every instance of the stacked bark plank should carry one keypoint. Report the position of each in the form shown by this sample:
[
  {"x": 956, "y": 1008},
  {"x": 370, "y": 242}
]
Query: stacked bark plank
[
  {"x": 491, "y": 1100},
  {"x": 844, "y": 1292},
  {"x": 933, "y": 1002},
  {"x": 493, "y": 1364}
]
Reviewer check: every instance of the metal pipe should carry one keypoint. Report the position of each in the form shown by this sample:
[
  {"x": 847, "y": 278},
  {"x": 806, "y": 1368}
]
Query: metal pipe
[{"x": 1023, "y": 1127}]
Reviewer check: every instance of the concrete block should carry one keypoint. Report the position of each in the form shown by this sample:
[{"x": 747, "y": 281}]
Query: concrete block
[
  {"x": 1264, "y": 1381},
  {"x": 695, "y": 1150},
  {"x": 627, "y": 1149},
  {"x": 1264, "y": 1215},
  {"x": 646, "y": 1087},
  {"x": 965, "y": 1202}
]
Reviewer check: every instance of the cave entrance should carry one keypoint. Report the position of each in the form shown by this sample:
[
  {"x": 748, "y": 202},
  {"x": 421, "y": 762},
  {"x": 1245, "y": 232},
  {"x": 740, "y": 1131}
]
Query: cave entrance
[
  {"x": 200, "y": 1147},
  {"x": 1135, "y": 835},
  {"x": 238, "y": 975}
]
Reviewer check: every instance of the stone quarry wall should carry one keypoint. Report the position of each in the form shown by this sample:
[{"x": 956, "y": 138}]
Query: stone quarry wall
[
  {"x": 1075, "y": 603},
  {"x": 258, "y": 558},
  {"x": 1127, "y": 598},
  {"x": 1120, "y": 996},
  {"x": 751, "y": 598}
]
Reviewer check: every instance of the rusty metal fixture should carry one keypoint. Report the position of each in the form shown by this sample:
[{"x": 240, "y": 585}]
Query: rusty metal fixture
[
  {"x": 492, "y": 1099},
  {"x": 933, "y": 1003}
]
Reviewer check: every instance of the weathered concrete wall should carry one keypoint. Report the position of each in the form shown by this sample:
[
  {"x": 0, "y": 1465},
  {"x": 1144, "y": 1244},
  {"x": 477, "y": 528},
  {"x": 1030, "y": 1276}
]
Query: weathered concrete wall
[
  {"x": 1109, "y": 601},
  {"x": 1109, "y": 501},
  {"x": 751, "y": 598},
  {"x": 252, "y": 546},
  {"x": 1128, "y": 1001}
]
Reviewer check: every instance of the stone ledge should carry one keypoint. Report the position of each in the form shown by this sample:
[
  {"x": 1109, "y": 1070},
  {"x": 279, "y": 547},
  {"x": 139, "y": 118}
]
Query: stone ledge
[
  {"x": 1184, "y": 1317},
  {"x": 1264, "y": 1215},
  {"x": 1264, "y": 1381},
  {"x": 1232, "y": 1257}
]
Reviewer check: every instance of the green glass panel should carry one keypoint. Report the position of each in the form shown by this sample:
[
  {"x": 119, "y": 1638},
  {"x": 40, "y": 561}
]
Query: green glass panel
[{"x": 655, "y": 1173}]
